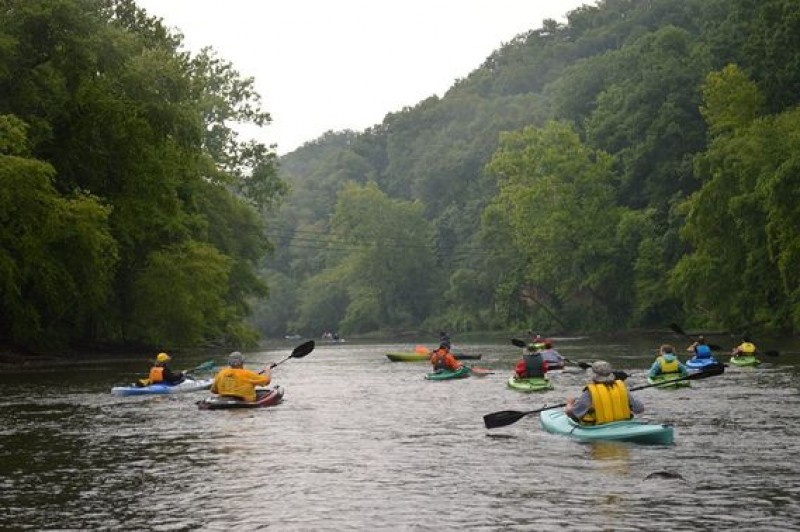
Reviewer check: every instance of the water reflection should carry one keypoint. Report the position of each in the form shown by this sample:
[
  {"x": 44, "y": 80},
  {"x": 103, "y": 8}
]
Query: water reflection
[{"x": 364, "y": 443}]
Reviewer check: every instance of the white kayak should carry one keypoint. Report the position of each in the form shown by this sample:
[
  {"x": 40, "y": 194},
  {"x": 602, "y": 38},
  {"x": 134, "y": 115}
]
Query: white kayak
[{"x": 188, "y": 385}]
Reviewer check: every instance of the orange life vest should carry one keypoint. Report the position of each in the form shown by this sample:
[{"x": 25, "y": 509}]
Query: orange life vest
[{"x": 156, "y": 374}]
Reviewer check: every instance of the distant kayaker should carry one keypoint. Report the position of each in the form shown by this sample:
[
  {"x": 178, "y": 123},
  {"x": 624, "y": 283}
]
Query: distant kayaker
[
  {"x": 161, "y": 372},
  {"x": 551, "y": 356},
  {"x": 236, "y": 381},
  {"x": 604, "y": 400},
  {"x": 537, "y": 340},
  {"x": 443, "y": 359},
  {"x": 667, "y": 363},
  {"x": 746, "y": 348},
  {"x": 700, "y": 348},
  {"x": 532, "y": 364}
]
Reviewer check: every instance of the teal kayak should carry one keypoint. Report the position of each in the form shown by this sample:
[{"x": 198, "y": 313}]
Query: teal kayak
[
  {"x": 745, "y": 360},
  {"x": 666, "y": 378},
  {"x": 557, "y": 422},
  {"x": 444, "y": 374},
  {"x": 531, "y": 384}
]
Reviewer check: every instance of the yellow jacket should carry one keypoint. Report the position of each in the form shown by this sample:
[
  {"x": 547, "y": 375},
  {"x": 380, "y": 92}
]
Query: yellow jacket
[
  {"x": 609, "y": 403},
  {"x": 238, "y": 382}
]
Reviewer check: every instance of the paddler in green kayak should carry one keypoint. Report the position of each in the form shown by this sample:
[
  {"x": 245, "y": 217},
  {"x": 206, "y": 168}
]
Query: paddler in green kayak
[
  {"x": 236, "y": 381},
  {"x": 443, "y": 360},
  {"x": 667, "y": 363},
  {"x": 604, "y": 400},
  {"x": 745, "y": 349},
  {"x": 532, "y": 364}
]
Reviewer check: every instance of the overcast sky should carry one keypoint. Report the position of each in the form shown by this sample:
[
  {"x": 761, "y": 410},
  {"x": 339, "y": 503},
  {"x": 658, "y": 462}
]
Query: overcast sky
[{"x": 323, "y": 65}]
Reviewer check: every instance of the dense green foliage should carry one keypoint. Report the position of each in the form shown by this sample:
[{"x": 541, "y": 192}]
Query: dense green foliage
[
  {"x": 635, "y": 166},
  {"x": 130, "y": 210}
]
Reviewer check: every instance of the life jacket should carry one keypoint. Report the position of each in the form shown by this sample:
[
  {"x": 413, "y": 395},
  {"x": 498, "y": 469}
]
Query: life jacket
[
  {"x": 156, "y": 374},
  {"x": 439, "y": 360},
  {"x": 747, "y": 348},
  {"x": 534, "y": 365},
  {"x": 668, "y": 366},
  {"x": 609, "y": 403},
  {"x": 702, "y": 351},
  {"x": 239, "y": 383}
]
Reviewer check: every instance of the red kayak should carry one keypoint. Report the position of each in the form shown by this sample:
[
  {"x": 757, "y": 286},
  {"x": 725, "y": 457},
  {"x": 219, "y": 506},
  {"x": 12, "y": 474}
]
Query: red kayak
[{"x": 264, "y": 398}]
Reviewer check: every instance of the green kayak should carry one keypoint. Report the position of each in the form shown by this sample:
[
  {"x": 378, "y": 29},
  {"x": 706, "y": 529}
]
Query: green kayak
[
  {"x": 557, "y": 422},
  {"x": 667, "y": 378},
  {"x": 745, "y": 360},
  {"x": 422, "y": 357},
  {"x": 532, "y": 384},
  {"x": 445, "y": 375}
]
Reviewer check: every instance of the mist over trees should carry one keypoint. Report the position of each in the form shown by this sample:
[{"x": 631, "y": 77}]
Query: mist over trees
[{"x": 631, "y": 167}]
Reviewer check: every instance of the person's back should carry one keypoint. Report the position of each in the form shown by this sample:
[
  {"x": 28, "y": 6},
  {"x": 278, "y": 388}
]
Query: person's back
[
  {"x": 667, "y": 363},
  {"x": 531, "y": 365},
  {"x": 746, "y": 348},
  {"x": 604, "y": 400},
  {"x": 551, "y": 356},
  {"x": 442, "y": 359},
  {"x": 162, "y": 373},
  {"x": 236, "y": 381}
]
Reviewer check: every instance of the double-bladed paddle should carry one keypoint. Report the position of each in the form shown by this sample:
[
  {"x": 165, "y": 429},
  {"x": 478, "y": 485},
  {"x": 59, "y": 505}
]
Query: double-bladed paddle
[
  {"x": 507, "y": 417},
  {"x": 677, "y": 329},
  {"x": 298, "y": 352}
]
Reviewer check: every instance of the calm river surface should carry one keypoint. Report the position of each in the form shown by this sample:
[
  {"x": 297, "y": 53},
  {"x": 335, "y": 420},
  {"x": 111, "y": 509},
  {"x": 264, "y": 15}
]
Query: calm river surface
[{"x": 361, "y": 443}]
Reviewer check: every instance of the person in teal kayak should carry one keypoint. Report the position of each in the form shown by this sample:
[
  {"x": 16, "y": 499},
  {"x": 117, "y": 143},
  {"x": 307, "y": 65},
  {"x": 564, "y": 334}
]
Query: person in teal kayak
[
  {"x": 700, "y": 348},
  {"x": 532, "y": 364},
  {"x": 162, "y": 373},
  {"x": 745, "y": 349},
  {"x": 238, "y": 382},
  {"x": 667, "y": 363},
  {"x": 442, "y": 359},
  {"x": 604, "y": 400}
]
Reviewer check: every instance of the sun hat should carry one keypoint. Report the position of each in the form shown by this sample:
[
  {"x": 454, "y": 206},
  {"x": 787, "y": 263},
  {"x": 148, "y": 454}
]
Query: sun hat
[
  {"x": 236, "y": 359},
  {"x": 603, "y": 372}
]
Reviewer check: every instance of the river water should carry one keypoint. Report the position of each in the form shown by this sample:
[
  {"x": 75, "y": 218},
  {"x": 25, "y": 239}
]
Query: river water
[{"x": 362, "y": 443}]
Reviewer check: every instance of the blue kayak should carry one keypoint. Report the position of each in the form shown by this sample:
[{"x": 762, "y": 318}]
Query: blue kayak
[
  {"x": 188, "y": 385},
  {"x": 700, "y": 363},
  {"x": 557, "y": 422}
]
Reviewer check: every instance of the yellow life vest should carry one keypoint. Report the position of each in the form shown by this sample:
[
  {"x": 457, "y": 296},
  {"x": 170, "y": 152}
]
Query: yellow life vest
[
  {"x": 609, "y": 403},
  {"x": 156, "y": 374},
  {"x": 669, "y": 367},
  {"x": 747, "y": 348}
]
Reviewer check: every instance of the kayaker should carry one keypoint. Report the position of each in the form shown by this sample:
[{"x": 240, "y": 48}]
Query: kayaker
[
  {"x": 604, "y": 400},
  {"x": 537, "y": 340},
  {"x": 745, "y": 349},
  {"x": 532, "y": 364},
  {"x": 236, "y": 381},
  {"x": 443, "y": 359},
  {"x": 551, "y": 356},
  {"x": 700, "y": 348},
  {"x": 667, "y": 363},
  {"x": 161, "y": 372}
]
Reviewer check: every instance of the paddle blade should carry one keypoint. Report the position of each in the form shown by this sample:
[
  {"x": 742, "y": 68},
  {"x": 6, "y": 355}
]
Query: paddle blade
[
  {"x": 205, "y": 366},
  {"x": 709, "y": 371},
  {"x": 677, "y": 329},
  {"x": 517, "y": 342},
  {"x": 302, "y": 350},
  {"x": 503, "y": 418},
  {"x": 480, "y": 372}
]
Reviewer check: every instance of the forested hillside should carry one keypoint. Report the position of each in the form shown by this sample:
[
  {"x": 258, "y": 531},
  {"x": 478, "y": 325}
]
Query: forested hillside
[
  {"x": 129, "y": 211},
  {"x": 637, "y": 165}
]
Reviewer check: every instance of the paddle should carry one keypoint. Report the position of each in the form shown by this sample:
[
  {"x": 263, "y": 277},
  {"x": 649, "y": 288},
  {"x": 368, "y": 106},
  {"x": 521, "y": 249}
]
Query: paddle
[
  {"x": 480, "y": 372},
  {"x": 677, "y": 329},
  {"x": 298, "y": 352},
  {"x": 521, "y": 343},
  {"x": 507, "y": 417}
]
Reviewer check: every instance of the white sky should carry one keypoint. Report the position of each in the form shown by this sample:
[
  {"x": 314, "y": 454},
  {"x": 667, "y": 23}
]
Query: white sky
[{"x": 323, "y": 65}]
